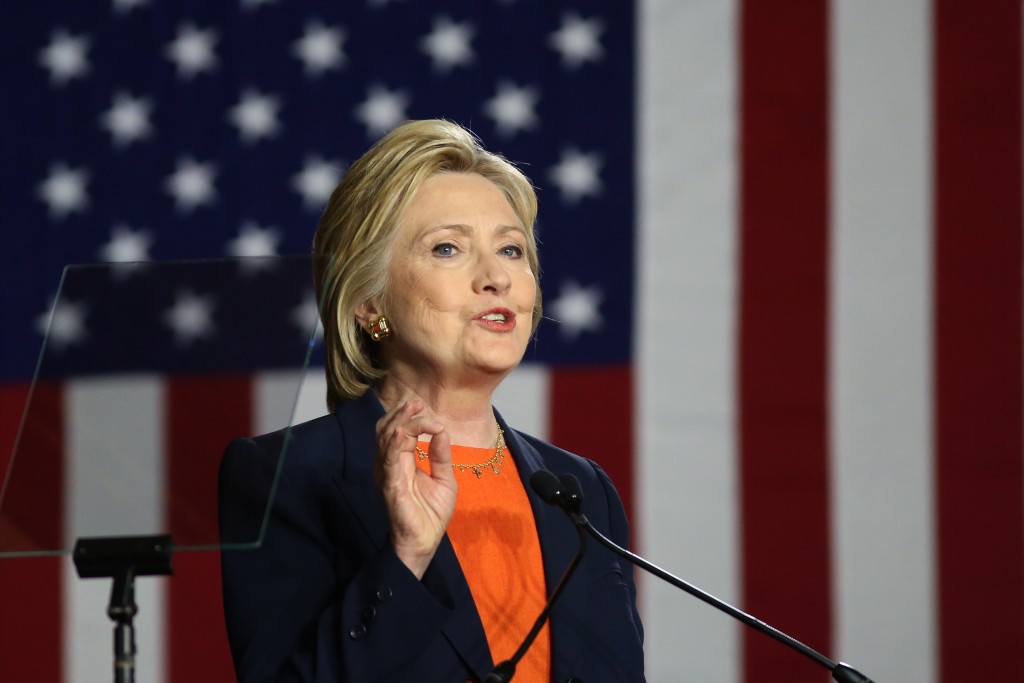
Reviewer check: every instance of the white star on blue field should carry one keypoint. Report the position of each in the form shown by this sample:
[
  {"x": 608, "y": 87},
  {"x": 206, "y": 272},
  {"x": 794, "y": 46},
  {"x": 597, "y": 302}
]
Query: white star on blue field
[{"x": 154, "y": 132}]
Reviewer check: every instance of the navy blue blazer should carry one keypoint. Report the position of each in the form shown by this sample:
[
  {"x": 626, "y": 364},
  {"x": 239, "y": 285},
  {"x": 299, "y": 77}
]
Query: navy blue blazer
[{"x": 325, "y": 599}]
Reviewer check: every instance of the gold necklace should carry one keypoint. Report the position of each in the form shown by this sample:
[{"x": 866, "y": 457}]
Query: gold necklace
[{"x": 494, "y": 463}]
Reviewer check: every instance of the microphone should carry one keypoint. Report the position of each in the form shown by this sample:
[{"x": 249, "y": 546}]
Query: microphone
[
  {"x": 566, "y": 493},
  {"x": 547, "y": 486},
  {"x": 550, "y": 489}
]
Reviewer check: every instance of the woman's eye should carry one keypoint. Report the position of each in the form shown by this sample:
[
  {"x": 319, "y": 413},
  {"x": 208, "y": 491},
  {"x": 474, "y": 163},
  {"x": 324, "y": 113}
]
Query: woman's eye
[
  {"x": 512, "y": 251},
  {"x": 444, "y": 249}
]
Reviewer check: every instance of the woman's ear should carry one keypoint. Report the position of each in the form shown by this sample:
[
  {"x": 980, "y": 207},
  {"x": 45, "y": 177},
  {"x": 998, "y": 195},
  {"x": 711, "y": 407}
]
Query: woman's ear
[{"x": 366, "y": 313}]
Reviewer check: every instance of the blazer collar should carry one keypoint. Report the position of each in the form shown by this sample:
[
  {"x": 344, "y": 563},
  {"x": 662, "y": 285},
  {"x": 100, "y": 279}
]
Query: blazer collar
[{"x": 358, "y": 421}]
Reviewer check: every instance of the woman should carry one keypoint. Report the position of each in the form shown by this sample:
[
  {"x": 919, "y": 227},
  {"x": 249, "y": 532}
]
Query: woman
[{"x": 402, "y": 544}]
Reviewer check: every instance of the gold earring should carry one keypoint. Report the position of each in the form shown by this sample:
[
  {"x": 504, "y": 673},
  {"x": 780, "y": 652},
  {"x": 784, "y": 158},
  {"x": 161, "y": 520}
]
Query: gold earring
[{"x": 379, "y": 329}]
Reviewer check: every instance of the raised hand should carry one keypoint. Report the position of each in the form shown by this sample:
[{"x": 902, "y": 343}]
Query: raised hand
[{"x": 419, "y": 505}]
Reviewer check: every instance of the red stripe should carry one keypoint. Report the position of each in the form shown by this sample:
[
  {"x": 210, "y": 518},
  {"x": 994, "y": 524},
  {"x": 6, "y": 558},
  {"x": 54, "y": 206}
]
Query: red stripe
[
  {"x": 978, "y": 349},
  {"x": 592, "y": 415},
  {"x": 12, "y": 405},
  {"x": 782, "y": 338},
  {"x": 33, "y": 504},
  {"x": 31, "y": 515},
  {"x": 203, "y": 415}
]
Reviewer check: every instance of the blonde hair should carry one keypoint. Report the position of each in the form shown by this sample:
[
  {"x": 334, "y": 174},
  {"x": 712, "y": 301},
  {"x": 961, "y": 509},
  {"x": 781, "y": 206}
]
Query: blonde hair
[{"x": 352, "y": 245}]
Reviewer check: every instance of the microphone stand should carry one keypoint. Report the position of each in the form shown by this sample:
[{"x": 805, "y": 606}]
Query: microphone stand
[
  {"x": 570, "y": 499},
  {"x": 123, "y": 558},
  {"x": 507, "y": 669}
]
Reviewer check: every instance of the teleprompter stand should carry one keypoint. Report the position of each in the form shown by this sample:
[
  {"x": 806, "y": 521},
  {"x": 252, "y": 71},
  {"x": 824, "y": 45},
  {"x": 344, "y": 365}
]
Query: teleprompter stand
[
  {"x": 123, "y": 492},
  {"x": 122, "y": 558}
]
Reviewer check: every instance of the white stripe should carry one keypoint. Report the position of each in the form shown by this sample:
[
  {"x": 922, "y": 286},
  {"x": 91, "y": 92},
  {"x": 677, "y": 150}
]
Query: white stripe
[
  {"x": 312, "y": 399},
  {"x": 114, "y": 486},
  {"x": 686, "y": 457},
  {"x": 522, "y": 399},
  {"x": 280, "y": 399},
  {"x": 880, "y": 330}
]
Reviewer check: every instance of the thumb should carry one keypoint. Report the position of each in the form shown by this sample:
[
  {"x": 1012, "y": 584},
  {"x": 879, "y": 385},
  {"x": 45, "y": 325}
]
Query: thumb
[{"x": 441, "y": 457}]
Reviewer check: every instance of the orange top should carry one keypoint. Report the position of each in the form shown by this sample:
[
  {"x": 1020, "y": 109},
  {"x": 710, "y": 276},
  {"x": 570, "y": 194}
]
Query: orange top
[{"x": 495, "y": 539}]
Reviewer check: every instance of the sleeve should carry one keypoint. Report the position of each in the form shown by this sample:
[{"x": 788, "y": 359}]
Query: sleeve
[{"x": 313, "y": 602}]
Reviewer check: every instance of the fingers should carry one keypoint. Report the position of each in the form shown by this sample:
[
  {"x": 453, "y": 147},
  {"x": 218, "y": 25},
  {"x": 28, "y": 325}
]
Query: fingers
[
  {"x": 406, "y": 418},
  {"x": 419, "y": 504},
  {"x": 399, "y": 431}
]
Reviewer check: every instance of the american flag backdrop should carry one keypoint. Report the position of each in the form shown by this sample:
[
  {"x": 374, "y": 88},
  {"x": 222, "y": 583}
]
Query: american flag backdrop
[{"x": 782, "y": 260}]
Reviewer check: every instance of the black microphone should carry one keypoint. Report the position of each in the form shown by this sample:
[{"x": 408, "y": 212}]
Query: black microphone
[
  {"x": 566, "y": 493},
  {"x": 548, "y": 488}
]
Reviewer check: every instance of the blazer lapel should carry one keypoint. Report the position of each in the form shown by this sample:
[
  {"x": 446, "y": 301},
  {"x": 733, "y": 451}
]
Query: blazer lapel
[{"x": 358, "y": 421}]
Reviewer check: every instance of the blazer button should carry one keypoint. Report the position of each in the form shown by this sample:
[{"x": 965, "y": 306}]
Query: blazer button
[
  {"x": 357, "y": 632},
  {"x": 574, "y": 679},
  {"x": 384, "y": 594},
  {"x": 369, "y": 613}
]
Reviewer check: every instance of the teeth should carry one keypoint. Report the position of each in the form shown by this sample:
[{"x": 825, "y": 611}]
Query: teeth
[{"x": 495, "y": 317}]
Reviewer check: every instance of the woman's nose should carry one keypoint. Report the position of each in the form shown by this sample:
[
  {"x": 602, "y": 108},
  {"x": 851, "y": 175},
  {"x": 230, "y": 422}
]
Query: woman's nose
[{"x": 492, "y": 275}]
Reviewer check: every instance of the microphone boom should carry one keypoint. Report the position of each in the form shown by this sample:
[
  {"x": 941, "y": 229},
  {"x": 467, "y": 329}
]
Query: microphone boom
[{"x": 566, "y": 493}]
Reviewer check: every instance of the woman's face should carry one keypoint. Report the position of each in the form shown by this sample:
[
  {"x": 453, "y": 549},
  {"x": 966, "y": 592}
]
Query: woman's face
[{"x": 461, "y": 291}]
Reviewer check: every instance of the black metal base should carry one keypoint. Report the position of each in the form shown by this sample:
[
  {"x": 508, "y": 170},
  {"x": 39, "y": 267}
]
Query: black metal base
[{"x": 122, "y": 558}]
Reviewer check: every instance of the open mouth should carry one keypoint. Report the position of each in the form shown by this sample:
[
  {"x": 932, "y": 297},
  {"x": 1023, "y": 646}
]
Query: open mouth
[{"x": 500, "y": 319}]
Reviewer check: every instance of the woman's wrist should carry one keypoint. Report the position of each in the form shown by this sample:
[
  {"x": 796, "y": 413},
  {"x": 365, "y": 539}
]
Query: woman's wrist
[{"x": 416, "y": 561}]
